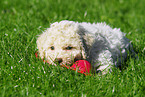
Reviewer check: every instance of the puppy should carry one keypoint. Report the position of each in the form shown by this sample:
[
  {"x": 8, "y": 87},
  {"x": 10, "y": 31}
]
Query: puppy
[{"x": 67, "y": 41}]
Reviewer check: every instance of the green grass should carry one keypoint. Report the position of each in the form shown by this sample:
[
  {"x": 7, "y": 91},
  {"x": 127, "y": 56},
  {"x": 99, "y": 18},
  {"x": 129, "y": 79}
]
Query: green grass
[{"x": 22, "y": 74}]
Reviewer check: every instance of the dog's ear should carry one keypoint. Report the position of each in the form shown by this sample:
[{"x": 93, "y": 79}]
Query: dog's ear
[
  {"x": 40, "y": 43},
  {"x": 87, "y": 40}
]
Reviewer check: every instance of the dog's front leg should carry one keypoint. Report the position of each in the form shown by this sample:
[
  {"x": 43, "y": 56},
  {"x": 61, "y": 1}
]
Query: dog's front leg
[{"x": 105, "y": 62}]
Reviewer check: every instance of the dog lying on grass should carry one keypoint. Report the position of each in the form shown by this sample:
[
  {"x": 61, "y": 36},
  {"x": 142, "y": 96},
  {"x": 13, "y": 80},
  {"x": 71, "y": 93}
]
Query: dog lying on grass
[{"x": 66, "y": 42}]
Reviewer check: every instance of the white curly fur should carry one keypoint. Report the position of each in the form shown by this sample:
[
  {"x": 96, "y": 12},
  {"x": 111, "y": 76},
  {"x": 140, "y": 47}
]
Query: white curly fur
[{"x": 98, "y": 43}]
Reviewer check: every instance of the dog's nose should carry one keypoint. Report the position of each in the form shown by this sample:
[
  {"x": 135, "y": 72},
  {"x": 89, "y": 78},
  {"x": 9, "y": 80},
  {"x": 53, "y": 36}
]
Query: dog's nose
[{"x": 58, "y": 60}]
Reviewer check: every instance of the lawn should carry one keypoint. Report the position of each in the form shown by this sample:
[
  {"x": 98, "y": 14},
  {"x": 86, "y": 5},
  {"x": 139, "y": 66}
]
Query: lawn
[{"x": 22, "y": 74}]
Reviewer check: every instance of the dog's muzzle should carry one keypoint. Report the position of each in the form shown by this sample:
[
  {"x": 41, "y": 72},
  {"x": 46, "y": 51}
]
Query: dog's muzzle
[{"x": 58, "y": 60}]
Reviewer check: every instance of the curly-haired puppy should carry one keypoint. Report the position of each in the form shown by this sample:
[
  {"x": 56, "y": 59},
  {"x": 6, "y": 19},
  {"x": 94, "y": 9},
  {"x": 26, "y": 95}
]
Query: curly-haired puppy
[{"x": 66, "y": 42}]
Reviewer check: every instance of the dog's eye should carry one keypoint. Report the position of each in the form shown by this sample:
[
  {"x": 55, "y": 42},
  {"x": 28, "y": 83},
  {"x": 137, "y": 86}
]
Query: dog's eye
[
  {"x": 68, "y": 48},
  {"x": 52, "y": 47}
]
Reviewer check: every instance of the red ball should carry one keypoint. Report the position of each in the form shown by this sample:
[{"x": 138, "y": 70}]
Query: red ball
[{"x": 83, "y": 65}]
